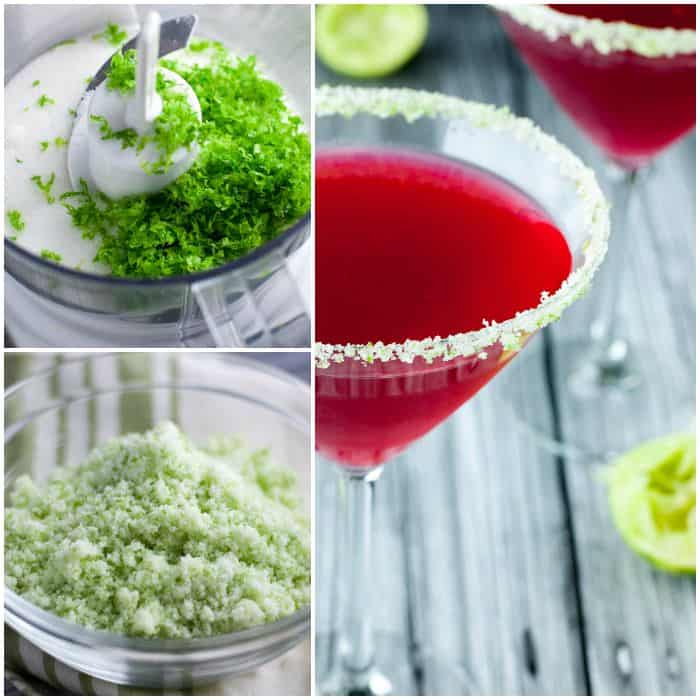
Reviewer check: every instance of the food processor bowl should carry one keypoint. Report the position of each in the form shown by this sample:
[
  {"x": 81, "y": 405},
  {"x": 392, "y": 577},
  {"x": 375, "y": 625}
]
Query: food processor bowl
[
  {"x": 58, "y": 415},
  {"x": 260, "y": 300}
]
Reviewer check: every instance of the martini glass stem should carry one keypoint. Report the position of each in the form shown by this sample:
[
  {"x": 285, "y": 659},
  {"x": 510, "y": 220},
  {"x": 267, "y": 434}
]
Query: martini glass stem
[
  {"x": 611, "y": 347},
  {"x": 357, "y": 634}
]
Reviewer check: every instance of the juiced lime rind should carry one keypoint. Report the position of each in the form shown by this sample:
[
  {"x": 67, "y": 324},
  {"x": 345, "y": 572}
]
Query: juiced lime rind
[
  {"x": 605, "y": 37},
  {"x": 651, "y": 491},
  {"x": 415, "y": 104},
  {"x": 365, "y": 47}
]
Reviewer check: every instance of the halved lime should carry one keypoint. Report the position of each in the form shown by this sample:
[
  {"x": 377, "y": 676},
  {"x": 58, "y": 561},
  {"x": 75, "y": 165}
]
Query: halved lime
[
  {"x": 652, "y": 496},
  {"x": 369, "y": 41}
]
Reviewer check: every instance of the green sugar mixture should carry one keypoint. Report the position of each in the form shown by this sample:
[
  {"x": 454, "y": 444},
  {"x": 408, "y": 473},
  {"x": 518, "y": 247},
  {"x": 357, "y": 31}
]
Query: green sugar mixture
[
  {"x": 250, "y": 181},
  {"x": 152, "y": 536}
]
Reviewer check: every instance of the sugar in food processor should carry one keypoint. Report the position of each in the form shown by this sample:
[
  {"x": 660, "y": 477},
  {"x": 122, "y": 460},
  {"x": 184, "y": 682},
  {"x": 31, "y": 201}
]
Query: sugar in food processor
[{"x": 261, "y": 299}]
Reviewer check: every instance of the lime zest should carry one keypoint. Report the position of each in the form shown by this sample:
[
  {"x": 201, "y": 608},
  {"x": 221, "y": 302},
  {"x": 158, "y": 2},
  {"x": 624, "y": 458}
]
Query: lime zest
[
  {"x": 58, "y": 142},
  {"x": 251, "y": 180},
  {"x": 177, "y": 126},
  {"x": 51, "y": 255},
  {"x": 199, "y": 45},
  {"x": 36, "y": 83},
  {"x": 45, "y": 187},
  {"x": 14, "y": 216},
  {"x": 113, "y": 34},
  {"x": 88, "y": 214},
  {"x": 129, "y": 137},
  {"x": 45, "y": 100},
  {"x": 121, "y": 75}
]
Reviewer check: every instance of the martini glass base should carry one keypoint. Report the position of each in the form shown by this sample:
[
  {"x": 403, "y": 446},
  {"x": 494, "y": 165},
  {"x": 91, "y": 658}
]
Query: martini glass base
[
  {"x": 390, "y": 675},
  {"x": 578, "y": 388}
]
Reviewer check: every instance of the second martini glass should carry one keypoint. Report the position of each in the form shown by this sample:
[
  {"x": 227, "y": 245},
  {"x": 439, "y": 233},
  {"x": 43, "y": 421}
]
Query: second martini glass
[
  {"x": 626, "y": 75},
  {"x": 428, "y": 221}
]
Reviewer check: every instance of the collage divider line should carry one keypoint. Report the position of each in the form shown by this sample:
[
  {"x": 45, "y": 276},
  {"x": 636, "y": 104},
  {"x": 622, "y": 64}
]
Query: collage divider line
[{"x": 312, "y": 314}]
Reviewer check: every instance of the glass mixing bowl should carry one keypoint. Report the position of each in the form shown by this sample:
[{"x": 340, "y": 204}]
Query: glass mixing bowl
[
  {"x": 58, "y": 415},
  {"x": 259, "y": 300}
]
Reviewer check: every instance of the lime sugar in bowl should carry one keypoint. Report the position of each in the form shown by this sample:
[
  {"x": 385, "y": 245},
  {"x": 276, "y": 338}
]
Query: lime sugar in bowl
[
  {"x": 70, "y": 286},
  {"x": 60, "y": 415}
]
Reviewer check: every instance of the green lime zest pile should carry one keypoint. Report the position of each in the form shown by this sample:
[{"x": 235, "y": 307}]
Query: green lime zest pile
[
  {"x": 250, "y": 181},
  {"x": 112, "y": 34},
  {"x": 14, "y": 216},
  {"x": 652, "y": 496},
  {"x": 175, "y": 127},
  {"x": 45, "y": 100},
  {"x": 36, "y": 83},
  {"x": 121, "y": 75}
]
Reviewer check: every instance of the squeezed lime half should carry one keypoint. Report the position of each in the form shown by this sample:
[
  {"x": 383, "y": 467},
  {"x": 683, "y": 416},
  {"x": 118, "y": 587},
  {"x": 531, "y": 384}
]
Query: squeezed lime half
[
  {"x": 652, "y": 496},
  {"x": 369, "y": 41}
]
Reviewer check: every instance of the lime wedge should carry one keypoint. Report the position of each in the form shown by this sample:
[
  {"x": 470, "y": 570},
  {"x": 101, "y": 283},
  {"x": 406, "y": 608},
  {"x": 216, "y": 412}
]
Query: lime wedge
[
  {"x": 652, "y": 496},
  {"x": 369, "y": 41}
]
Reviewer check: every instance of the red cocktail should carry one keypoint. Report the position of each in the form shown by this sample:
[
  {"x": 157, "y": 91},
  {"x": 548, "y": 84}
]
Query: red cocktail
[
  {"x": 630, "y": 104},
  {"x": 411, "y": 245},
  {"x": 433, "y": 216},
  {"x": 626, "y": 76}
]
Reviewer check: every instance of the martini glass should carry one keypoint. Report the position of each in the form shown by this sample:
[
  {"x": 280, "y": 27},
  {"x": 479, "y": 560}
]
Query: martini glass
[
  {"x": 373, "y": 399},
  {"x": 626, "y": 75}
]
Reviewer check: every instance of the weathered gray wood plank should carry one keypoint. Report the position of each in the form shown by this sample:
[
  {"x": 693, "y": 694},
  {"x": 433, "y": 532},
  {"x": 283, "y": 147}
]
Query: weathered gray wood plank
[
  {"x": 627, "y": 604},
  {"x": 639, "y": 623},
  {"x": 511, "y": 566}
]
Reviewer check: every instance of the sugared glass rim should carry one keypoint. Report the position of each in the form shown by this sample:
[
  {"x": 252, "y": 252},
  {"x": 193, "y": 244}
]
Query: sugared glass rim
[
  {"x": 415, "y": 104},
  {"x": 605, "y": 37}
]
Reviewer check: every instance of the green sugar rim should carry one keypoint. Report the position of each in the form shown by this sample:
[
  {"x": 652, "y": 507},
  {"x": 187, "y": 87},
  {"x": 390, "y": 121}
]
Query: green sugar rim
[
  {"x": 414, "y": 104},
  {"x": 605, "y": 37}
]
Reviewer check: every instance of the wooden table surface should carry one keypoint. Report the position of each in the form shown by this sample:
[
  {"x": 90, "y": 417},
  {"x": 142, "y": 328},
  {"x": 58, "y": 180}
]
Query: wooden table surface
[{"x": 490, "y": 553}]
